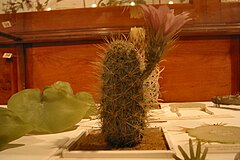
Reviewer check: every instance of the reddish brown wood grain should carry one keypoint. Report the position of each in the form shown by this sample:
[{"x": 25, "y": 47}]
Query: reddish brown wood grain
[
  {"x": 8, "y": 75},
  {"x": 61, "y": 45},
  {"x": 85, "y": 23},
  {"x": 235, "y": 65},
  {"x": 197, "y": 70},
  {"x": 71, "y": 63}
]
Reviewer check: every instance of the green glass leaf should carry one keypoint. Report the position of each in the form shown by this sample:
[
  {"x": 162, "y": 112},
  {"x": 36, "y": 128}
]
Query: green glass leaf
[
  {"x": 27, "y": 104},
  {"x": 191, "y": 154},
  {"x": 85, "y": 96},
  {"x": 11, "y": 127},
  {"x": 55, "y": 110},
  {"x": 216, "y": 133}
]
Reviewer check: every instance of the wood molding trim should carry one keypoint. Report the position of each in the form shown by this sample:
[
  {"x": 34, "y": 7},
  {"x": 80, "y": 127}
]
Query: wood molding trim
[
  {"x": 90, "y": 34},
  {"x": 21, "y": 65},
  {"x": 210, "y": 17},
  {"x": 235, "y": 58}
]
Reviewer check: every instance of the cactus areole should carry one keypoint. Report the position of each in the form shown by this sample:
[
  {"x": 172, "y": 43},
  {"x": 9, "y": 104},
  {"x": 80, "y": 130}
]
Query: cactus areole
[{"x": 123, "y": 117}]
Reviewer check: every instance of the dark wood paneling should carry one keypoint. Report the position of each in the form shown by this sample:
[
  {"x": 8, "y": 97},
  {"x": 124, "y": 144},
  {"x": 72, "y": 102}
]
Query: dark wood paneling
[
  {"x": 68, "y": 24},
  {"x": 197, "y": 70},
  {"x": 21, "y": 67},
  {"x": 61, "y": 45},
  {"x": 71, "y": 63},
  {"x": 235, "y": 59},
  {"x": 8, "y": 75},
  {"x": 92, "y": 23},
  {"x": 229, "y": 13}
]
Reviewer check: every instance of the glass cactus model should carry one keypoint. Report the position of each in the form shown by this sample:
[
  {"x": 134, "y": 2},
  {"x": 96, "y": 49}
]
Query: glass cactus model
[
  {"x": 123, "y": 117},
  {"x": 192, "y": 156}
]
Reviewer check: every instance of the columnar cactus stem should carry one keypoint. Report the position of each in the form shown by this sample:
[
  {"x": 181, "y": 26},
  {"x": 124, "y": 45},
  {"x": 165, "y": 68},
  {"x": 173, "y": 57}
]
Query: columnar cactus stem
[{"x": 123, "y": 117}]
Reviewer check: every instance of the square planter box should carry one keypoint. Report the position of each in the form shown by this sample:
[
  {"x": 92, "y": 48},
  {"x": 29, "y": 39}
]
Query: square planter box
[{"x": 67, "y": 153}]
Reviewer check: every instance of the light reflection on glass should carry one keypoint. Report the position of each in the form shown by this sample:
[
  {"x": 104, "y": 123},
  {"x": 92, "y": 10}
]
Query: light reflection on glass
[
  {"x": 68, "y": 4},
  {"x": 230, "y": 1}
]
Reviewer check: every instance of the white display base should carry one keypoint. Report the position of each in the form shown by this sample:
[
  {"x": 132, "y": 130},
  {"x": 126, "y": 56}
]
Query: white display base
[
  {"x": 149, "y": 154},
  {"x": 223, "y": 148}
]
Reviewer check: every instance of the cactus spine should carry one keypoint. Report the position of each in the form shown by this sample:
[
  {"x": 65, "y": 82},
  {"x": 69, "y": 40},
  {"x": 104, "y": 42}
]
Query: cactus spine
[{"x": 123, "y": 117}]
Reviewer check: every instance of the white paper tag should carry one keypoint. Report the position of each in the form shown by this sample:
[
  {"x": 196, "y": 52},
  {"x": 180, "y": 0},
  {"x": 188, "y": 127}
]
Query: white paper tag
[
  {"x": 6, "y": 24},
  {"x": 7, "y": 55}
]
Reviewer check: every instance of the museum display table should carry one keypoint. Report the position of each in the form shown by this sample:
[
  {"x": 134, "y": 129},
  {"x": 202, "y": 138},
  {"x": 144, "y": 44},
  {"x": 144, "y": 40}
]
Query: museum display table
[{"x": 50, "y": 146}]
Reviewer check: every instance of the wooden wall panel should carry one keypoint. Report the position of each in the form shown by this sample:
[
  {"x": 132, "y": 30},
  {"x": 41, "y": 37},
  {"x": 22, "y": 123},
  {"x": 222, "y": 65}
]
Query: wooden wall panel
[
  {"x": 60, "y": 45},
  {"x": 74, "y": 24},
  {"x": 235, "y": 58},
  {"x": 213, "y": 12},
  {"x": 8, "y": 75},
  {"x": 230, "y": 13},
  {"x": 197, "y": 70},
  {"x": 70, "y": 63}
]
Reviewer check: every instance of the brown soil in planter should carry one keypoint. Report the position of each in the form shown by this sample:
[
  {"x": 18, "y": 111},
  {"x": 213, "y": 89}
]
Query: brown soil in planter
[{"x": 153, "y": 139}]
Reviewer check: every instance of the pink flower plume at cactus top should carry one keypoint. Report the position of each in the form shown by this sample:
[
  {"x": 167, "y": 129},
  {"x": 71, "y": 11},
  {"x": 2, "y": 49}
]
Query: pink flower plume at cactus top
[{"x": 163, "y": 19}]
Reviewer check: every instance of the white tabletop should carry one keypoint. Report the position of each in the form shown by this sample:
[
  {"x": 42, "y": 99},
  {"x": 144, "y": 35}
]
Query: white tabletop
[
  {"x": 48, "y": 146},
  {"x": 221, "y": 116}
]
